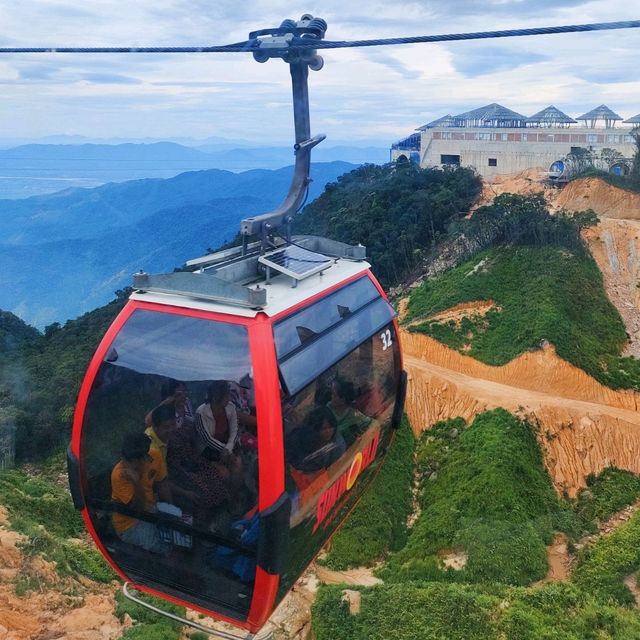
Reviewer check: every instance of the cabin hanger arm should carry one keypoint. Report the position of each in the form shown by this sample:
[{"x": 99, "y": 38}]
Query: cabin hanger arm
[{"x": 278, "y": 45}]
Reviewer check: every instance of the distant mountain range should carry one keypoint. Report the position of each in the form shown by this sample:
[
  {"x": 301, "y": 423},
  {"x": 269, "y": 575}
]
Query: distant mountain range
[
  {"x": 66, "y": 253},
  {"x": 35, "y": 169}
]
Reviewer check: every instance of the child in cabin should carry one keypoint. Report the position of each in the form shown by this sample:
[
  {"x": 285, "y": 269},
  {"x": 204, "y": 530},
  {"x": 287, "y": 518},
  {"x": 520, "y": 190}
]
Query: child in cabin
[{"x": 135, "y": 481}]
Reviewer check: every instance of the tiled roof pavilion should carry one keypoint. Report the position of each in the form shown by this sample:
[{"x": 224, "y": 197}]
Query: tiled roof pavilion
[
  {"x": 551, "y": 116},
  {"x": 445, "y": 121},
  {"x": 491, "y": 115},
  {"x": 634, "y": 120},
  {"x": 600, "y": 113}
]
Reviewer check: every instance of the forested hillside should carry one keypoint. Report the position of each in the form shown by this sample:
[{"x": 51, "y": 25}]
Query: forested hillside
[{"x": 400, "y": 213}]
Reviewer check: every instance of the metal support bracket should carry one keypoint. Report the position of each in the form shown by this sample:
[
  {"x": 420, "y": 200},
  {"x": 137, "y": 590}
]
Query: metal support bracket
[
  {"x": 217, "y": 633},
  {"x": 201, "y": 285}
]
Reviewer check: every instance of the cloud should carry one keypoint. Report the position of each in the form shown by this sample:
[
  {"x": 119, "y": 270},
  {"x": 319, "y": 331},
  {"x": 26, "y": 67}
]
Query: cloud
[
  {"x": 364, "y": 93},
  {"x": 110, "y": 78},
  {"x": 482, "y": 60}
]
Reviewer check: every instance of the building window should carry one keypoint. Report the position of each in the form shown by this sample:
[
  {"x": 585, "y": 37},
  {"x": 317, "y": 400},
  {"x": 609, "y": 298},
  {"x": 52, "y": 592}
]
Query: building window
[
  {"x": 493, "y": 162},
  {"x": 592, "y": 138},
  {"x": 450, "y": 160}
]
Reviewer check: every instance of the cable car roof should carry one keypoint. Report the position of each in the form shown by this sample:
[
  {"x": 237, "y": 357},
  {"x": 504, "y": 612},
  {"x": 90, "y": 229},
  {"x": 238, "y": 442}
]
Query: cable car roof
[{"x": 281, "y": 295}]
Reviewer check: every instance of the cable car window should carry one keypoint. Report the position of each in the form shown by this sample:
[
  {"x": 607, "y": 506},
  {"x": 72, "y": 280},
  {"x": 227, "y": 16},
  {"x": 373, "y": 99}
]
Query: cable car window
[
  {"x": 169, "y": 453},
  {"x": 324, "y": 350},
  {"x": 292, "y": 332},
  {"x": 336, "y": 430}
]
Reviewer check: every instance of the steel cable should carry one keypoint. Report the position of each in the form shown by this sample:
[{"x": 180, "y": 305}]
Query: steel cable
[{"x": 312, "y": 43}]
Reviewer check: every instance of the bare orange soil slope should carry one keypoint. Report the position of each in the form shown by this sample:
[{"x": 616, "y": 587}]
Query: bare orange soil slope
[
  {"x": 53, "y": 607},
  {"x": 605, "y": 199},
  {"x": 584, "y": 426}
]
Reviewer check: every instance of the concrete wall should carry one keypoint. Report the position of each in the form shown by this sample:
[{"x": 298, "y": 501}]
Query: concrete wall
[{"x": 511, "y": 151}]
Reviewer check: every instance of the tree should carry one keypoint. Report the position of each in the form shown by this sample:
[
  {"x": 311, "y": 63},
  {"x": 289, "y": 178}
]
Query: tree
[{"x": 634, "y": 175}]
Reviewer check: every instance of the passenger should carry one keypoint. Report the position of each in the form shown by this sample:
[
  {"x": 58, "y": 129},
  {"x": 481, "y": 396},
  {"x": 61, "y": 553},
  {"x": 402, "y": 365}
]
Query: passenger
[
  {"x": 351, "y": 422},
  {"x": 161, "y": 427},
  {"x": 188, "y": 469},
  {"x": 135, "y": 480},
  {"x": 173, "y": 392},
  {"x": 240, "y": 395},
  {"x": 217, "y": 425},
  {"x": 376, "y": 396},
  {"x": 317, "y": 445},
  {"x": 161, "y": 431}
]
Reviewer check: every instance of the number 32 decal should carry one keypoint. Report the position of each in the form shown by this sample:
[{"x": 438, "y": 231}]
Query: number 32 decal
[{"x": 385, "y": 336}]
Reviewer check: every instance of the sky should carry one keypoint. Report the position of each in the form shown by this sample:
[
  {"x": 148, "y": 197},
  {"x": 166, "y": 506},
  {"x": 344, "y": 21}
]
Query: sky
[{"x": 361, "y": 96}]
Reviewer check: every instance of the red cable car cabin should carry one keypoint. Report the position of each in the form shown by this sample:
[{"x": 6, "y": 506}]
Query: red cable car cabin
[{"x": 278, "y": 418}]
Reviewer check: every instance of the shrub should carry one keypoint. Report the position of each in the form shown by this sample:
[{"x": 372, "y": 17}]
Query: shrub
[
  {"x": 607, "y": 493},
  {"x": 603, "y": 567},
  {"x": 149, "y": 625}
]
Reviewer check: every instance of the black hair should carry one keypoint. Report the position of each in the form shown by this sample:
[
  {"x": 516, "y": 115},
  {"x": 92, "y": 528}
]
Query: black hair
[
  {"x": 162, "y": 413},
  {"x": 318, "y": 416},
  {"x": 345, "y": 389},
  {"x": 217, "y": 390},
  {"x": 169, "y": 387},
  {"x": 135, "y": 446}
]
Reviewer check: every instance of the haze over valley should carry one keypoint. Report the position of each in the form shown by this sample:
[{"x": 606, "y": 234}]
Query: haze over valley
[
  {"x": 38, "y": 168},
  {"x": 64, "y": 253}
]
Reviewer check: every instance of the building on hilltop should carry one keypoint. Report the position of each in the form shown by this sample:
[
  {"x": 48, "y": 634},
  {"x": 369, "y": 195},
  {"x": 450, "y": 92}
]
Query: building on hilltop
[{"x": 496, "y": 140}]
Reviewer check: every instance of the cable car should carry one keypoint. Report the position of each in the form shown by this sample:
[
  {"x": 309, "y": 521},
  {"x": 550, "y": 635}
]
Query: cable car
[{"x": 233, "y": 414}]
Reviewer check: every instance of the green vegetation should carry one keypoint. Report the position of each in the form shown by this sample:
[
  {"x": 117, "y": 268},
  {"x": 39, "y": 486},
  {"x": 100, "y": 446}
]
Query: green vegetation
[
  {"x": 378, "y": 523},
  {"x": 434, "y": 611},
  {"x": 147, "y": 624},
  {"x": 40, "y": 376},
  {"x": 608, "y": 493},
  {"x": 485, "y": 493},
  {"x": 603, "y": 568},
  {"x": 399, "y": 212},
  {"x": 429, "y": 612},
  {"x": 41, "y": 509},
  {"x": 541, "y": 294}
]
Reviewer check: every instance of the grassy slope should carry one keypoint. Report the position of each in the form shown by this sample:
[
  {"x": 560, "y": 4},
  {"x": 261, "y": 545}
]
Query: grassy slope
[
  {"x": 484, "y": 491},
  {"x": 40, "y": 508},
  {"x": 543, "y": 293},
  {"x": 490, "y": 496},
  {"x": 377, "y": 524}
]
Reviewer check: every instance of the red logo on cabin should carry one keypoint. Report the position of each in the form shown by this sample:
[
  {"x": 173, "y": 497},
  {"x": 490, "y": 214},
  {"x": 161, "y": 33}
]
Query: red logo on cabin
[{"x": 360, "y": 462}]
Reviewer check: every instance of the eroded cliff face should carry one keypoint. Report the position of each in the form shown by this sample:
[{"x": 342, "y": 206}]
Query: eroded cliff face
[
  {"x": 583, "y": 426},
  {"x": 605, "y": 199},
  {"x": 614, "y": 243}
]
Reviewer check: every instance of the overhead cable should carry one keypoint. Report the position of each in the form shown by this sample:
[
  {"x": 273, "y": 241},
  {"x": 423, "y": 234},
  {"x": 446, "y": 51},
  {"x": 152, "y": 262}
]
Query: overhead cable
[{"x": 298, "y": 42}]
